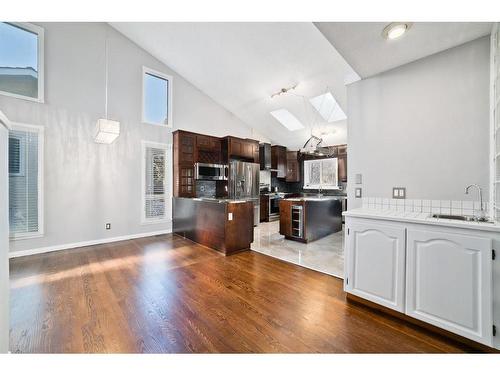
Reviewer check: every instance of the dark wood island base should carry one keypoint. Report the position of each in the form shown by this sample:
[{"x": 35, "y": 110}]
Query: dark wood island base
[
  {"x": 220, "y": 224},
  {"x": 308, "y": 219}
]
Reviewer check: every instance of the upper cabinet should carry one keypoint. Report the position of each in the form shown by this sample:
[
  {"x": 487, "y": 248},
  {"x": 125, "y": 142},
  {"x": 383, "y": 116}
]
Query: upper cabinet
[
  {"x": 239, "y": 148},
  {"x": 190, "y": 148},
  {"x": 279, "y": 161},
  {"x": 342, "y": 162},
  {"x": 206, "y": 142},
  {"x": 184, "y": 156},
  {"x": 265, "y": 156},
  {"x": 292, "y": 167}
]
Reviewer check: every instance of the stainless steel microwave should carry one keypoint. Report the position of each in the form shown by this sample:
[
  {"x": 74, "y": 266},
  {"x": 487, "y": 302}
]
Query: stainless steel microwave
[{"x": 205, "y": 171}]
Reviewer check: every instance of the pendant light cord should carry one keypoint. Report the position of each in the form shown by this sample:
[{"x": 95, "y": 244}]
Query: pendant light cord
[{"x": 106, "y": 72}]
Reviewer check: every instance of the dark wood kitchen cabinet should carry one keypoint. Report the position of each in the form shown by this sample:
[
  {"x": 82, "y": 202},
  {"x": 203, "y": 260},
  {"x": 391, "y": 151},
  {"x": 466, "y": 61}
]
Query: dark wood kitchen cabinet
[
  {"x": 342, "y": 162},
  {"x": 184, "y": 156},
  {"x": 206, "y": 142},
  {"x": 246, "y": 149},
  {"x": 208, "y": 149},
  {"x": 292, "y": 167},
  {"x": 306, "y": 220},
  {"x": 278, "y": 160},
  {"x": 264, "y": 208},
  {"x": 191, "y": 148}
]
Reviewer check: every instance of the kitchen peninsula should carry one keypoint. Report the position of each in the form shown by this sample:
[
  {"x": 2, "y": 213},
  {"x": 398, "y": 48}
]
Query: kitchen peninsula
[{"x": 225, "y": 225}]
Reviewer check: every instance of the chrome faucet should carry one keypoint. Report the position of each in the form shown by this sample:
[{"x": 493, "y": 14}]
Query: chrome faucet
[{"x": 481, "y": 214}]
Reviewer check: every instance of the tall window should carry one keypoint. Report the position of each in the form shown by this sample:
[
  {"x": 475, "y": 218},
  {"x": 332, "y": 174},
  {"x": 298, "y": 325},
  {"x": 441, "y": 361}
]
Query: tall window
[
  {"x": 321, "y": 173},
  {"x": 21, "y": 60},
  {"x": 25, "y": 181},
  {"x": 156, "y": 98},
  {"x": 155, "y": 188}
]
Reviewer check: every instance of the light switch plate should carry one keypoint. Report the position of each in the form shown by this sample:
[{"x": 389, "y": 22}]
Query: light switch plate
[
  {"x": 398, "y": 193},
  {"x": 359, "y": 178},
  {"x": 230, "y": 216},
  {"x": 357, "y": 192}
]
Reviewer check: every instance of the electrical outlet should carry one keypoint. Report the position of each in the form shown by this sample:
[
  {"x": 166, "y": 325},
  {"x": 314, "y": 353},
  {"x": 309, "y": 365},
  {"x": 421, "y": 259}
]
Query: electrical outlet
[
  {"x": 108, "y": 226},
  {"x": 399, "y": 193},
  {"x": 357, "y": 192},
  {"x": 359, "y": 178}
]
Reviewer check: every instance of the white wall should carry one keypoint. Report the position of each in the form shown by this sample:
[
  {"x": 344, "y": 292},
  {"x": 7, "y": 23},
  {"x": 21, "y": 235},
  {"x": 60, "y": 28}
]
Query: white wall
[
  {"x": 424, "y": 126},
  {"x": 87, "y": 184},
  {"x": 4, "y": 243}
]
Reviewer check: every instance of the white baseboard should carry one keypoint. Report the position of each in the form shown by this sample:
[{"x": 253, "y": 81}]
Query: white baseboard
[{"x": 48, "y": 249}]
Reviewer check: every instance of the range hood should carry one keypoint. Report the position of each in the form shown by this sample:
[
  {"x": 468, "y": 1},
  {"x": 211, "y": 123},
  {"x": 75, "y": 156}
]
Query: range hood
[{"x": 265, "y": 157}]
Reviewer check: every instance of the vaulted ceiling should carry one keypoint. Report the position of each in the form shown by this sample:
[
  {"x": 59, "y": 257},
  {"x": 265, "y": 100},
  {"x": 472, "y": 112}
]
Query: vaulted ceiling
[{"x": 240, "y": 65}]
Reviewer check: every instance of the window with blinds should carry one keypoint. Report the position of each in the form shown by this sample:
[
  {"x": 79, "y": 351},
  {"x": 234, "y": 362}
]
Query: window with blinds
[
  {"x": 24, "y": 182},
  {"x": 321, "y": 173},
  {"x": 155, "y": 182},
  {"x": 495, "y": 121}
]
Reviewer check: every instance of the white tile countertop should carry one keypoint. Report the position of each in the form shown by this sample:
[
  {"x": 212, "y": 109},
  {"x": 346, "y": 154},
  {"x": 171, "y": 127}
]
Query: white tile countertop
[{"x": 419, "y": 218}]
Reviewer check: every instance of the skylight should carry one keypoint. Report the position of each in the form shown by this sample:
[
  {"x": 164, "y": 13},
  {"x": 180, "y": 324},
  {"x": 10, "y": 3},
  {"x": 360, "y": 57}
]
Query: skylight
[
  {"x": 328, "y": 108},
  {"x": 288, "y": 120}
]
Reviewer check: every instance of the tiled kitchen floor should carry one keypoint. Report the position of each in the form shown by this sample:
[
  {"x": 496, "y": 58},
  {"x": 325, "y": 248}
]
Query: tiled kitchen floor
[{"x": 324, "y": 255}]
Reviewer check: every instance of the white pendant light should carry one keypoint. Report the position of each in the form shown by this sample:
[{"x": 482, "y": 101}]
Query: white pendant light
[{"x": 106, "y": 131}]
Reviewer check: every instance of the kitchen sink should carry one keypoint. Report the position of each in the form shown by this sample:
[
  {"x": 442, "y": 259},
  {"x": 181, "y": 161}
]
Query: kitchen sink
[{"x": 460, "y": 217}]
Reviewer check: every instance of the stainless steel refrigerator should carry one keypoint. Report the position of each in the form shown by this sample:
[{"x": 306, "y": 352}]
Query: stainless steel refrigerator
[{"x": 244, "y": 184}]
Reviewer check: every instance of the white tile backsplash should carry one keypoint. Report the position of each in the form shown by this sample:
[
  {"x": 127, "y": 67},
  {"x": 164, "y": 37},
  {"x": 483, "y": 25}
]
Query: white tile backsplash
[{"x": 416, "y": 206}]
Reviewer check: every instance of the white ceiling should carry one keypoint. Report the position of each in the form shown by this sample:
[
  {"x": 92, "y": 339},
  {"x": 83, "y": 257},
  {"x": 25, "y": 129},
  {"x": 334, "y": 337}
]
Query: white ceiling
[
  {"x": 362, "y": 45},
  {"x": 239, "y": 65}
]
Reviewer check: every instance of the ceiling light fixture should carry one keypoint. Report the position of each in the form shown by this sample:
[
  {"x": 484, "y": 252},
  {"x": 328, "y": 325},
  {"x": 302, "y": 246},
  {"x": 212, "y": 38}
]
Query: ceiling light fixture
[
  {"x": 106, "y": 131},
  {"x": 395, "y": 30},
  {"x": 284, "y": 90},
  {"x": 286, "y": 119}
]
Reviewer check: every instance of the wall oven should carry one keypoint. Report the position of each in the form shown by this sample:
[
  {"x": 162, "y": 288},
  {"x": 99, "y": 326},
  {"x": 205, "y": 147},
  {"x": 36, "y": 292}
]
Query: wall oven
[{"x": 205, "y": 171}]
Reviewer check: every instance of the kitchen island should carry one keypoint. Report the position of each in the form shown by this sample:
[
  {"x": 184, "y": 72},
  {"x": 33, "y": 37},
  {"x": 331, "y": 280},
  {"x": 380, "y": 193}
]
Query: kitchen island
[
  {"x": 225, "y": 225},
  {"x": 307, "y": 219}
]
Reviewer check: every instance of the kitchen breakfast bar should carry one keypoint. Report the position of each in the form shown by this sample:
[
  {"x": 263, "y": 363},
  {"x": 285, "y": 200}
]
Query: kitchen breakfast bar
[{"x": 225, "y": 225}]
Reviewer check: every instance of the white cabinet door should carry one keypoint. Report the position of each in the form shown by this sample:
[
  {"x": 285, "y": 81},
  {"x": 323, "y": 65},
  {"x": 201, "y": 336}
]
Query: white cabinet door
[
  {"x": 449, "y": 282},
  {"x": 376, "y": 262}
]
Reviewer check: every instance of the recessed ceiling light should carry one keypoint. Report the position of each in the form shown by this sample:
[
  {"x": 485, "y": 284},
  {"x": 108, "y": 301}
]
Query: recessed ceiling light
[
  {"x": 288, "y": 120},
  {"x": 395, "y": 30},
  {"x": 328, "y": 108}
]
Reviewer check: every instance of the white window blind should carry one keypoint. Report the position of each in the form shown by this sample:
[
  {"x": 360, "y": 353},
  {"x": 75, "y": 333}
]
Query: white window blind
[
  {"x": 24, "y": 182},
  {"x": 321, "y": 173},
  {"x": 155, "y": 183}
]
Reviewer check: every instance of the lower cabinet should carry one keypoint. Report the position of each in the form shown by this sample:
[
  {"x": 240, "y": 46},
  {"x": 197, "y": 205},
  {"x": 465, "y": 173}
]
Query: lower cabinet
[
  {"x": 449, "y": 282},
  {"x": 439, "y": 275},
  {"x": 376, "y": 263}
]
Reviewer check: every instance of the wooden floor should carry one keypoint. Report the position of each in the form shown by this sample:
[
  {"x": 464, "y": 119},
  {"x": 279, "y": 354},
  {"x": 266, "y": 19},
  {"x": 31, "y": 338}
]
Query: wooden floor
[{"x": 166, "y": 294}]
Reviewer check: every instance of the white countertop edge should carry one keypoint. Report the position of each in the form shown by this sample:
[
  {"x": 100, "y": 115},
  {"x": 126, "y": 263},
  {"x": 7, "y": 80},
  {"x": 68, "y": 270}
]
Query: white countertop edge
[{"x": 419, "y": 218}]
